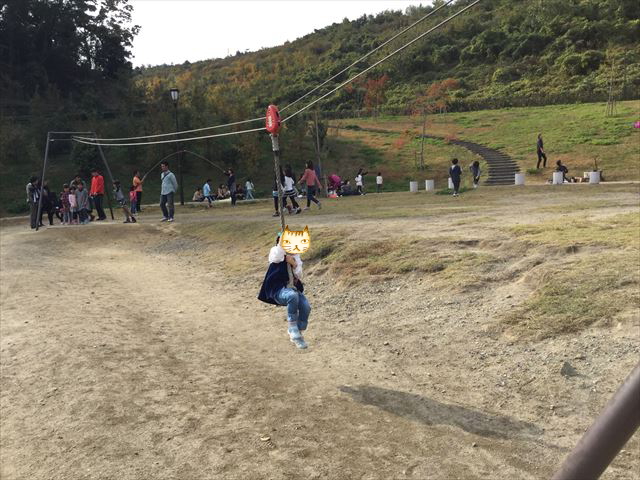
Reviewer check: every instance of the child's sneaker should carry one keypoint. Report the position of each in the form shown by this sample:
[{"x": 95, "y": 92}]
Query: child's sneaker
[
  {"x": 296, "y": 337},
  {"x": 133, "y": 220},
  {"x": 164, "y": 219}
]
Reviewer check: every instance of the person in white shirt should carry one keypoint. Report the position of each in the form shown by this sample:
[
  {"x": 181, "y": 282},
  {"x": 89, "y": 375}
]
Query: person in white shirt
[
  {"x": 248, "y": 186},
  {"x": 360, "y": 181},
  {"x": 379, "y": 182}
]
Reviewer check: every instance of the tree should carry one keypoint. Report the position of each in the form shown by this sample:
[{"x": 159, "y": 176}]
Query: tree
[
  {"x": 375, "y": 96},
  {"x": 65, "y": 43}
]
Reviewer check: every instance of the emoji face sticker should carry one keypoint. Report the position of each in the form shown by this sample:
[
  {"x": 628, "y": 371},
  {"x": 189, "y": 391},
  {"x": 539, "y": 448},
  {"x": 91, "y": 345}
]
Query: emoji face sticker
[{"x": 294, "y": 242}]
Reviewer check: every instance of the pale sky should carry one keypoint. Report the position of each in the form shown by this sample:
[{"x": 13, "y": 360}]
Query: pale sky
[{"x": 177, "y": 30}]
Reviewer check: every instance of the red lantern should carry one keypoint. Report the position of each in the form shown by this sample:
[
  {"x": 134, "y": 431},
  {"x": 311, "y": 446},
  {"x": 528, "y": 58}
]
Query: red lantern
[{"x": 273, "y": 120}]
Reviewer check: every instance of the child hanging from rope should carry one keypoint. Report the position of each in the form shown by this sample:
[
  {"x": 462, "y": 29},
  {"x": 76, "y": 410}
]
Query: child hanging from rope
[{"x": 276, "y": 289}]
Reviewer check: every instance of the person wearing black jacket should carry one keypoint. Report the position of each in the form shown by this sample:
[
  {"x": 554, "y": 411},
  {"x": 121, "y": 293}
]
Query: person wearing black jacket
[
  {"x": 33, "y": 198},
  {"x": 231, "y": 184},
  {"x": 455, "y": 172}
]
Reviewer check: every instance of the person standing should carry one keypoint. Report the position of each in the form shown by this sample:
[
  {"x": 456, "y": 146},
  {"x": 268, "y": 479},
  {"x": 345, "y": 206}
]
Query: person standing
[
  {"x": 540, "y": 151},
  {"x": 97, "y": 193},
  {"x": 137, "y": 184},
  {"x": 231, "y": 185},
  {"x": 311, "y": 180},
  {"x": 82, "y": 199},
  {"x": 379, "y": 182},
  {"x": 248, "y": 186},
  {"x": 455, "y": 172},
  {"x": 168, "y": 188},
  {"x": 74, "y": 184},
  {"x": 33, "y": 198},
  {"x": 360, "y": 181},
  {"x": 475, "y": 172},
  {"x": 65, "y": 205}
]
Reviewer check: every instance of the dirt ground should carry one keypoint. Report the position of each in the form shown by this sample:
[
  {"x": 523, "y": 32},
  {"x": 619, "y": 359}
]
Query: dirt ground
[{"x": 130, "y": 352}]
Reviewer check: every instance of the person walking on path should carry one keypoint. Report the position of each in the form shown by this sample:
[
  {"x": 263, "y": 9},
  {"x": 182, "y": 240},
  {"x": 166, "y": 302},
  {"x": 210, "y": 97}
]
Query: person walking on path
[
  {"x": 206, "y": 192},
  {"x": 97, "y": 193},
  {"x": 311, "y": 180},
  {"x": 137, "y": 184},
  {"x": 289, "y": 187},
  {"x": 540, "y": 151},
  {"x": 231, "y": 184},
  {"x": 379, "y": 182},
  {"x": 249, "y": 187},
  {"x": 475, "y": 172},
  {"x": 168, "y": 188},
  {"x": 33, "y": 198},
  {"x": 455, "y": 172}
]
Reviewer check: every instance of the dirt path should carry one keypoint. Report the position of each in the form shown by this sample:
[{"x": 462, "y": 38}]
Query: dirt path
[{"x": 124, "y": 361}]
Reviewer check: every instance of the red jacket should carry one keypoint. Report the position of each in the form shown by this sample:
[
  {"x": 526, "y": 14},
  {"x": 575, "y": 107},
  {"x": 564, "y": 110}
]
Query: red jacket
[{"x": 97, "y": 185}]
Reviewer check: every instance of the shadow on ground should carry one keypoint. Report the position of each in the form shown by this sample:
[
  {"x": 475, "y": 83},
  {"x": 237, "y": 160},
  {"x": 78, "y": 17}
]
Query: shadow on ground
[{"x": 432, "y": 412}]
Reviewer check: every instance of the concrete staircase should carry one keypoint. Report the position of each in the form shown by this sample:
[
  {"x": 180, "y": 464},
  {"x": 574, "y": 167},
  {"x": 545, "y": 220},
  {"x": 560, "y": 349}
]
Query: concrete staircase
[{"x": 502, "y": 168}]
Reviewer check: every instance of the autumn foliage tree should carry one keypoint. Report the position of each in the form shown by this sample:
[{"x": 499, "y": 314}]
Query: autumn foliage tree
[{"x": 376, "y": 93}]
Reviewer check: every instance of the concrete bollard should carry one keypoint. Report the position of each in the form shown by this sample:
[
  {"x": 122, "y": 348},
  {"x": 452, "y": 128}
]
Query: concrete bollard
[
  {"x": 594, "y": 177},
  {"x": 450, "y": 184},
  {"x": 430, "y": 185},
  {"x": 557, "y": 178},
  {"x": 519, "y": 179},
  {"x": 413, "y": 187}
]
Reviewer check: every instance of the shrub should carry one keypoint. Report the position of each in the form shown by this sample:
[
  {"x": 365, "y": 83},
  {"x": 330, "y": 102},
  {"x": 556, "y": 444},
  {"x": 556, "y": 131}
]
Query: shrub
[{"x": 18, "y": 206}]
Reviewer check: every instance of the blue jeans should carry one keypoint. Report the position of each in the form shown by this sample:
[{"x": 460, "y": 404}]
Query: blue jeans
[
  {"x": 298, "y": 308},
  {"x": 249, "y": 195}
]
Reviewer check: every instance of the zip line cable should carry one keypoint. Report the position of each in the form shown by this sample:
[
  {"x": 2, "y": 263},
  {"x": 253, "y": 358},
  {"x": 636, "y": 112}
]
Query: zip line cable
[
  {"x": 383, "y": 59},
  {"x": 173, "y": 133},
  {"x": 398, "y": 50},
  {"x": 158, "y": 142},
  {"x": 368, "y": 54}
]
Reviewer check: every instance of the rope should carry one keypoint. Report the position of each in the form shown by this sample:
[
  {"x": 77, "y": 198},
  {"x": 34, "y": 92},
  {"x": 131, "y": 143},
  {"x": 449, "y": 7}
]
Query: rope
[
  {"x": 383, "y": 59},
  {"x": 169, "y": 134},
  {"x": 368, "y": 54},
  {"x": 158, "y": 142}
]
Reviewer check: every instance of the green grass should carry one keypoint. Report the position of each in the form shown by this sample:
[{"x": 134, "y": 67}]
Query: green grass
[
  {"x": 574, "y": 296},
  {"x": 615, "y": 231},
  {"x": 577, "y": 134}
]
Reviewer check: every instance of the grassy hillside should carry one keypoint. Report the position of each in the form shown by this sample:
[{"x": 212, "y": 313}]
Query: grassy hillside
[{"x": 576, "y": 134}]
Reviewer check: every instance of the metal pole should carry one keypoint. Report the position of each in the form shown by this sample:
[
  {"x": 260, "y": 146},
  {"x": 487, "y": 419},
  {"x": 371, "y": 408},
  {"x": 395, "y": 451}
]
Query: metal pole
[
  {"x": 175, "y": 104},
  {"x": 612, "y": 429},
  {"x": 276, "y": 168},
  {"x": 44, "y": 169},
  {"x": 106, "y": 165}
]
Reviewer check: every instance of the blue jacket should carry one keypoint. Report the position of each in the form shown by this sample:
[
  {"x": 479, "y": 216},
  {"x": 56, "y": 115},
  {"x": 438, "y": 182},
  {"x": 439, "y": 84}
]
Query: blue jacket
[{"x": 275, "y": 280}]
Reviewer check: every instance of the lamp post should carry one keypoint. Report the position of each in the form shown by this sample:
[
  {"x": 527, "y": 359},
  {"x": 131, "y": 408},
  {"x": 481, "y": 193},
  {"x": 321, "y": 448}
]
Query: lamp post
[{"x": 175, "y": 95}]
